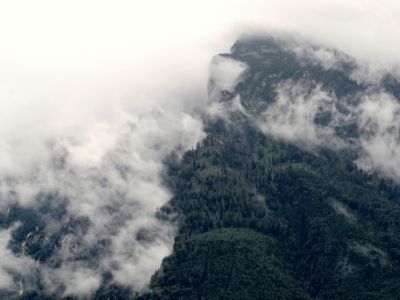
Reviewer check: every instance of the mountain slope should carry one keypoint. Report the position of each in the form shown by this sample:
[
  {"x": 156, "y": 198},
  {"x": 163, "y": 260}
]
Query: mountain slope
[
  {"x": 332, "y": 229},
  {"x": 284, "y": 198}
]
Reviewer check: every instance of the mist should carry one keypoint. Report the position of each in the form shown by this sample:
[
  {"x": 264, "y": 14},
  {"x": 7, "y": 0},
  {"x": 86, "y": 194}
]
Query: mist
[{"x": 95, "y": 95}]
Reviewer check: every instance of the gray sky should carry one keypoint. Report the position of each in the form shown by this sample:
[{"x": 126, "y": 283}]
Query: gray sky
[{"x": 67, "y": 64}]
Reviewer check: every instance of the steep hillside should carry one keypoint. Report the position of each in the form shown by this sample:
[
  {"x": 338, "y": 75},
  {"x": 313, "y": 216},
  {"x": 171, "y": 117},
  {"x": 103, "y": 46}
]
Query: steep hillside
[
  {"x": 268, "y": 217},
  {"x": 286, "y": 198}
]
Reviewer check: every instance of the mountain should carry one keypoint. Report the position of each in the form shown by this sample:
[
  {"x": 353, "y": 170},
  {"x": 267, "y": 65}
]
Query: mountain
[
  {"x": 269, "y": 216},
  {"x": 285, "y": 198}
]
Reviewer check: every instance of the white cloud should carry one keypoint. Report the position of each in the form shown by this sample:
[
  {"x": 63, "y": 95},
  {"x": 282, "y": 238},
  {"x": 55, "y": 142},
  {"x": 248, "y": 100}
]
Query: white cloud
[
  {"x": 380, "y": 141},
  {"x": 77, "y": 280},
  {"x": 292, "y": 116},
  {"x": 118, "y": 188},
  {"x": 15, "y": 271},
  {"x": 225, "y": 72},
  {"x": 95, "y": 94}
]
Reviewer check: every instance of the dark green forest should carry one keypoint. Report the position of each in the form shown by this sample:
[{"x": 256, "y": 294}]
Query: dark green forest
[
  {"x": 260, "y": 221},
  {"x": 263, "y": 218}
]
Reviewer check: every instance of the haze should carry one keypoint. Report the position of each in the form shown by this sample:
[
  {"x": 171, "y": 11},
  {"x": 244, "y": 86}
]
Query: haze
[{"x": 94, "y": 96}]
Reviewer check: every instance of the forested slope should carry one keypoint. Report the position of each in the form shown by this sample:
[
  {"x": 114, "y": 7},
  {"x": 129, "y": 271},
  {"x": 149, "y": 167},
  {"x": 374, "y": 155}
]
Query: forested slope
[
  {"x": 275, "y": 203},
  {"x": 265, "y": 218}
]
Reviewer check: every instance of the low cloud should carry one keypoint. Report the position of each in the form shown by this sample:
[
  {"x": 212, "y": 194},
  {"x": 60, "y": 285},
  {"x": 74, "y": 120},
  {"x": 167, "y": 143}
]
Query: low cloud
[
  {"x": 224, "y": 74},
  {"x": 292, "y": 116},
  {"x": 112, "y": 183},
  {"x": 94, "y": 96},
  {"x": 16, "y": 271},
  {"x": 380, "y": 140}
]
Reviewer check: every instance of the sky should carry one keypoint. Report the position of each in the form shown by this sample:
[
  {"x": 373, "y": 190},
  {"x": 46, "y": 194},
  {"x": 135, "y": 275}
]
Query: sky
[
  {"x": 89, "y": 88},
  {"x": 64, "y": 64}
]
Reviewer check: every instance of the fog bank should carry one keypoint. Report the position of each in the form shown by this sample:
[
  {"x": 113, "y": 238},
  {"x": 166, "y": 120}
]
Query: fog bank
[{"x": 94, "y": 96}]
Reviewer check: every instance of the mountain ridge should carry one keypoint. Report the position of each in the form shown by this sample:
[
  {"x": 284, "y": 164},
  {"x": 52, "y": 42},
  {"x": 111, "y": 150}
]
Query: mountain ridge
[
  {"x": 335, "y": 225},
  {"x": 278, "y": 201}
]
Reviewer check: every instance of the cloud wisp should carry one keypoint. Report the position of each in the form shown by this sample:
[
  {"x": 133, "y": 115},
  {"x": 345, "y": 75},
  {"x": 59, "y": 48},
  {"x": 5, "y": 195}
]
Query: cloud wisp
[
  {"x": 292, "y": 116},
  {"x": 94, "y": 96},
  {"x": 111, "y": 182}
]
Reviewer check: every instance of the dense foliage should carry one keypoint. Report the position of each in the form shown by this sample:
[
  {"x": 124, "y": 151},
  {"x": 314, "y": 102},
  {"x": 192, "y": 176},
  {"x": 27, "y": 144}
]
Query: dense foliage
[
  {"x": 260, "y": 218},
  {"x": 333, "y": 231}
]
